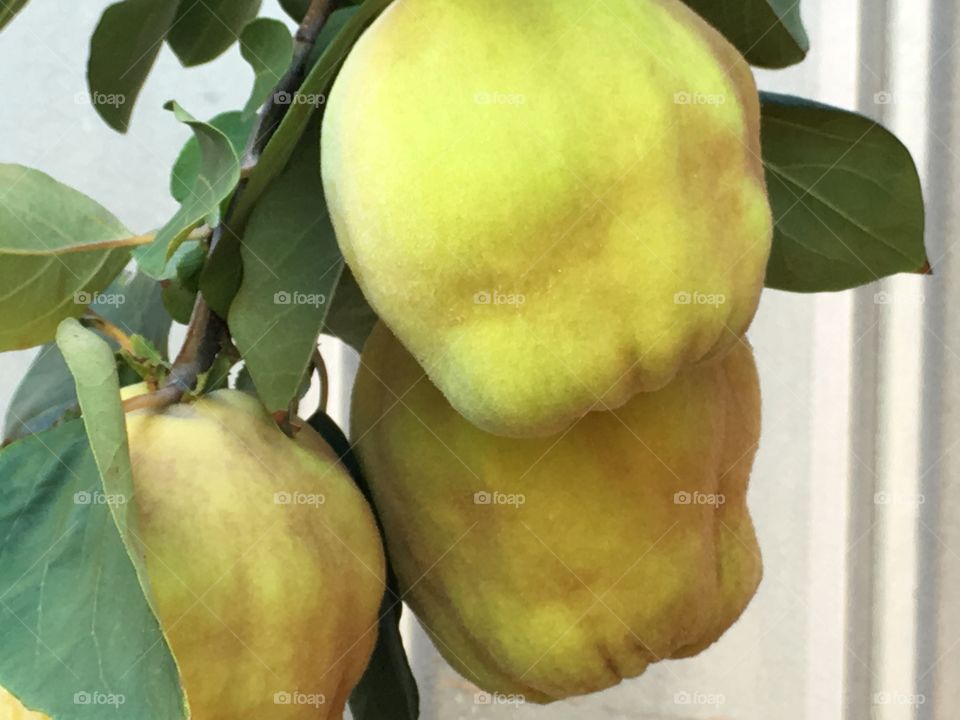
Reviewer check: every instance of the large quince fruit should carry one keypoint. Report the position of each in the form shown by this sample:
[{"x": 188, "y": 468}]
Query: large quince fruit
[
  {"x": 554, "y": 206},
  {"x": 551, "y": 567},
  {"x": 264, "y": 559},
  {"x": 12, "y": 709}
]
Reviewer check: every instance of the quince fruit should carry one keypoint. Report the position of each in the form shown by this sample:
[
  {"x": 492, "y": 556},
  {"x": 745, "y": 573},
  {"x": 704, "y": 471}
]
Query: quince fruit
[
  {"x": 551, "y": 567},
  {"x": 553, "y": 206},
  {"x": 264, "y": 559},
  {"x": 12, "y": 709}
]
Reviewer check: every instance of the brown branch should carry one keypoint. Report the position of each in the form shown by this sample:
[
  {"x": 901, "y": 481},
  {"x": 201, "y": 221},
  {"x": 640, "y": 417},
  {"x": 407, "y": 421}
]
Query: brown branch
[
  {"x": 274, "y": 110},
  {"x": 207, "y": 332}
]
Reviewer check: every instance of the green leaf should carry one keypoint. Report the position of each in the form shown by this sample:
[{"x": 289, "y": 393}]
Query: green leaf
[
  {"x": 769, "y": 33},
  {"x": 387, "y": 690},
  {"x": 94, "y": 369},
  {"x": 122, "y": 51},
  {"x": 350, "y": 317},
  {"x": 296, "y": 9},
  {"x": 9, "y": 9},
  {"x": 222, "y": 274},
  {"x": 331, "y": 28},
  {"x": 217, "y": 177},
  {"x": 845, "y": 194},
  {"x": 46, "y": 393},
  {"x": 186, "y": 169},
  {"x": 58, "y": 249},
  {"x": 291, "y": 265},
  {"x": 317, "y": 84},
  {"x": 268, "y": 46},
  {"x": 204, "y": 29},
  {"x": 77, "y": 631}
]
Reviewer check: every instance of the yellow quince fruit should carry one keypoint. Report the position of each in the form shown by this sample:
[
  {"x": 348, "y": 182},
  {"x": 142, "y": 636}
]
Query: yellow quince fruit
[
  {"x": 554, "y": 206},
  {"x": 12, "y": 709},
  {"x": 552, "y": 567},
  {"x": 264, "y": 559}
]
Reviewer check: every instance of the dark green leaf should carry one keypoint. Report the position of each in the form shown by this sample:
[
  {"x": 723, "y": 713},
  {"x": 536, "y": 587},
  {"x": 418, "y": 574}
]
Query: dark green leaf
[
  {"x": 222, "y": 274},
  {"x": 350, "y": 318},
  {"x": 186, "y": 169},
  {"x": 218, "y": 176},
  {"x": 78, "y": 634},
  {"x": 9, "y": 9},
  {"x": 769, "y": 33},
  {"x": 268, "y": 46},
  {"x": 58, "y": 250},
  {"x": 296, "y": 9},
  {"x": 387, "y": 690},
  {"x": 291, "y": 265},
  {"x": 203, "y": 29},
  {"x": 46, "y": 393},
  {"x": 845, "y": 195},
  {"x": 122, "y": 51}
]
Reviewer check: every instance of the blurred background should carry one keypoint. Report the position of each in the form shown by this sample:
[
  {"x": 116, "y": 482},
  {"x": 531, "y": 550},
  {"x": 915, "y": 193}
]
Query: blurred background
[{"x": 853, "y": 492}]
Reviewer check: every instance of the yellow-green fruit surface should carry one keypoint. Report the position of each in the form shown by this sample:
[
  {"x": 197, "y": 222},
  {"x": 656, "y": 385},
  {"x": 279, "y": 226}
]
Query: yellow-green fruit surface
[
  {"x": 553, "y": 206},
  {"x": 264, "y": 559},
  {"x": 551, "y": 567},
  {"x": 12, "y": 709}
]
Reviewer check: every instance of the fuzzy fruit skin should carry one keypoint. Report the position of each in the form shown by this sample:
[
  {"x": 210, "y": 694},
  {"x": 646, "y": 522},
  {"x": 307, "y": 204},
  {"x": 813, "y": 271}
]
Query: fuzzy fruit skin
[
  {"x": 12, "y": 709},
  {"x": 256, "y": 597},
  {"x": 600, "y": 164},
  {"x": 600, "y": 571}
]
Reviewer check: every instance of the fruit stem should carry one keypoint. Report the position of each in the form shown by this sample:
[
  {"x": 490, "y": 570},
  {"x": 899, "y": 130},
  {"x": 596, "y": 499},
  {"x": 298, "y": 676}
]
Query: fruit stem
[
  {"x": 98, "y": 322},
  {"x": 321, "y": 366},
  {"x": 207, "y": 331}
]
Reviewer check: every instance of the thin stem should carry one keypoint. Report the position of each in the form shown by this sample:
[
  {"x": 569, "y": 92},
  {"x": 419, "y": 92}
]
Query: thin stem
[
  {"x": 273, "y": 111},
  {"x": 321, "y": 367},
  {"x": 97, "y": 321}
]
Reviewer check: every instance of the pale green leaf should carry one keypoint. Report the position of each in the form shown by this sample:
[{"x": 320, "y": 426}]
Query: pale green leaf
[{"x": 217, "y": 178}]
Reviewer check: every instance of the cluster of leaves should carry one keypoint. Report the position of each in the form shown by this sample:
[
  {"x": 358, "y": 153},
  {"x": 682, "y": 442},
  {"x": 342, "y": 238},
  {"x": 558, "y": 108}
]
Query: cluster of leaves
[{"x": 845, "y": 195}]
